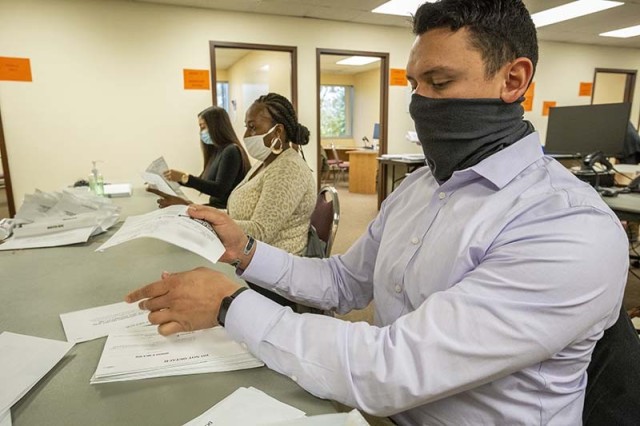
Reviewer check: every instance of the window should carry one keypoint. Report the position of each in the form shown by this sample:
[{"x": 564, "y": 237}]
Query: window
[
  {"x": 336, "y": 105},
  {"x": 222, "y": 94}
]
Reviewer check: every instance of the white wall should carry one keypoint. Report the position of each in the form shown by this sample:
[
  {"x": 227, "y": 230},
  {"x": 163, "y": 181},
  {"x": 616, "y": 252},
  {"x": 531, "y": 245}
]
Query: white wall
[
  {"x": 108, "y": 82},
  {"x": 563, "y": 66}
]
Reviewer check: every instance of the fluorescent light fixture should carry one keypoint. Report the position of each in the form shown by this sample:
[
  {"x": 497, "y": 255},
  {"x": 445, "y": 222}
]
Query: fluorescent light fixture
[
  {"x": 623, "y": 32},
  {"x": 401, "y": 7},
  {"x": 572, "y": 10},
  {"x": 357, "y": 60}
]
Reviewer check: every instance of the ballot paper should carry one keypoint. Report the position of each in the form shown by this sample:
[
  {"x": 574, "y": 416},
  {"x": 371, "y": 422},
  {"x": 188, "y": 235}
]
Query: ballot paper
[
  {"x": 89, "y": 324},
  {"x": 24, "y": 360},
  {"x": 154, "y": 175},
  {"x": 352, "y": 418},
  {"x": 60, "y": 218},
  {"x": 141, "y": 353},
  {"x": 247, "y": 406},
  {"x": 173, "y": 225}
]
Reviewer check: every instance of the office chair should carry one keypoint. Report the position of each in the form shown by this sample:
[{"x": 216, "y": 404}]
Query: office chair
[
  {"x": 612, "y": 396},
  {"x": 326, "y": 216},
  {"x": 342, "y": 166}
]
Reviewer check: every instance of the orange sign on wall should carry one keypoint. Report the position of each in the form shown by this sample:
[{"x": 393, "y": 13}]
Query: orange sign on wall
[
  {"x": 528, "y": 98},
  {"x": 15, "y": 69},
  {"x": 196, "y": 79},
  {"x": 545, "y": 107},
  {"x": 586, "y": 89},
  {"x": 398, "y": 77}
]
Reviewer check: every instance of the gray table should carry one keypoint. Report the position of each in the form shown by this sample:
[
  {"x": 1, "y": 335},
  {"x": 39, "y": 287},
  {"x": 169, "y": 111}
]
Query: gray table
[
  {"x": 625, "y": 206},
  {"x": 37, "y": 285}
]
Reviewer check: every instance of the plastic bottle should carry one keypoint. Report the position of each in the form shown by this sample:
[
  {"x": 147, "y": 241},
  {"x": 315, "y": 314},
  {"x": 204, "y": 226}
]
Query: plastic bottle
[{"x": 96, "y": 181}]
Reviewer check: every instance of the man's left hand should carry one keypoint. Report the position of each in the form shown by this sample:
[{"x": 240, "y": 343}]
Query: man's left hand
[{"x": 184, "y": 301}]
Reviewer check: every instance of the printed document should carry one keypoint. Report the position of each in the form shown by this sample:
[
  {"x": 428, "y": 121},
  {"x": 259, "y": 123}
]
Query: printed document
[
  {"x": 89, "y": 324},
  {"x": 173, "y": 225},
  {"x": 247, "y": 406},
  {"x": 154, "y": 175},
  {"x": 140, "y": 353},
  {"x": 24, "y": 360}
]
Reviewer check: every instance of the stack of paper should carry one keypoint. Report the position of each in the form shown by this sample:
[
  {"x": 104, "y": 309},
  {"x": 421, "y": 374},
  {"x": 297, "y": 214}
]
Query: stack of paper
[
  {"x": 57, "y": 219},
  {"x": 154, "y": 176},
  {"x": 246, "y": 406},
  {"x": 24, "y": 360},
  {"x": 5, "y": 418},
  {"x": 173, "y": 225},
  {"x": 141, "y": 353},
  {"x": 117, "y": 190},
  {"x": 89, "y": 324}
]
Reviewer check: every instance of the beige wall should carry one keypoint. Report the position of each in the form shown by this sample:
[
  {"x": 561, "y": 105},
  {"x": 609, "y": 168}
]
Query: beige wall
[
  {"x": 108, "y": 82},
  {"x": 367, "y": 104}
]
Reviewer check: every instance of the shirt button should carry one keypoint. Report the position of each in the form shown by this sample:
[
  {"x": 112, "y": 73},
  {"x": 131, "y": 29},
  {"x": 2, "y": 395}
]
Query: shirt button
[
  {"x": 415, "y": 240},
  {"x": 398, "y": 288},
  {"x": 442, "y": 195},
  {"x": 294, "y": 378}
]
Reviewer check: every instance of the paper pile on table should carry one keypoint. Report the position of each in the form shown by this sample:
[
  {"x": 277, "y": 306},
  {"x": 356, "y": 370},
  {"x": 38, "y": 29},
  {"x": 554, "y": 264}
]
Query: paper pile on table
[
  {"x": 173, "y": 225},
  {"x": 24, "y": 360},
  {"x": 50, "y": 219},
  {"x": 141, "y": 353}
]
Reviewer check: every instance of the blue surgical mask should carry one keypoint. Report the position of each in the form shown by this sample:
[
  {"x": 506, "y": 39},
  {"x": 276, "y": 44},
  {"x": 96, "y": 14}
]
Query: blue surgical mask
[{"x": 205, "y": 137}]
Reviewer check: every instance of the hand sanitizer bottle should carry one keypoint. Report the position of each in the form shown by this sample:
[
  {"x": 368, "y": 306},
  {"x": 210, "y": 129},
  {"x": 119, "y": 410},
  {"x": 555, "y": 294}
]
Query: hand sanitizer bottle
[{"x": 96, "y": 181}]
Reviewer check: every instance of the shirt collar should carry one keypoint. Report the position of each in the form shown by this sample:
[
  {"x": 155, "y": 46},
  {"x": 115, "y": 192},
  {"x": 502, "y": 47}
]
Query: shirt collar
[{"x": 503, "y": 166}]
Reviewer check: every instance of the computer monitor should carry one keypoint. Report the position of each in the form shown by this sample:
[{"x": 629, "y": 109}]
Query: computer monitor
[
  {"x": 581, "y": 130},
  {"x": 376, "y": 131}
]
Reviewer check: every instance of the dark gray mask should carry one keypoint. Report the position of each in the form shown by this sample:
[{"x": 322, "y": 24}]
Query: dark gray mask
[{"x": 459, "y": 133}]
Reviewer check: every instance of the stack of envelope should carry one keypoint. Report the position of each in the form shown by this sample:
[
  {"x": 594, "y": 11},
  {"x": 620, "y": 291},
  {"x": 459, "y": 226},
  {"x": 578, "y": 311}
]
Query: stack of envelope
[{"x": 141, "y": 353}]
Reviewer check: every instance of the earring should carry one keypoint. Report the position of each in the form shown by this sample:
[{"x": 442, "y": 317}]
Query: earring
[{"x": 275, "y": 141}]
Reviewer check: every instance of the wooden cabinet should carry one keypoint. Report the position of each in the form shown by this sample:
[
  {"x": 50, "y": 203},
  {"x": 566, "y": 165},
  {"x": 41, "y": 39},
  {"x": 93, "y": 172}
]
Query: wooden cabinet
[{"x": 363, "y": 168}]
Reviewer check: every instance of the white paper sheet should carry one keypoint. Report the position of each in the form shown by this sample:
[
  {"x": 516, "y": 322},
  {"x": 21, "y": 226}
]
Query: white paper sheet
[
  {"x": 5, "y": 418},
  {"x": 352, "y": 418},
  {"x": 24, "y": 360},
  {"x": 139, "y": 353},
  {"x": 89, "y": 324},
  {"x": 158, "y": 181},
  {"x": 173, "y": 225},
  {"x": 158, "y": 167},
  {"x": 74, "y": 236},
  {"x": 247, "y": 407}
]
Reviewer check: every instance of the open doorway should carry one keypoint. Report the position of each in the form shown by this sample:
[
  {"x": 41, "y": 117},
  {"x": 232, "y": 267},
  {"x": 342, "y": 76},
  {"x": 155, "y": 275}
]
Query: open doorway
[
  {"x": 242, "y": 72},
  {"x": 352, "y": 111}
]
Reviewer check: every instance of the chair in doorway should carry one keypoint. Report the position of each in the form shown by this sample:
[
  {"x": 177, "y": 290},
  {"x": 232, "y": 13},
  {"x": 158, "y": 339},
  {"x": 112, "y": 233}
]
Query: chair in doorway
[
  {"x": 326, "y": 216},
  {"x": 340, "y": 166}
]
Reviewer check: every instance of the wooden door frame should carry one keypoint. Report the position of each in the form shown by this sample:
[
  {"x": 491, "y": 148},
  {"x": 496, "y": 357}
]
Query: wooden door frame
[
  {"x": 293, "y": 50},
  {"x": 630, "y": 84},
  {"x": 5, "y": 168},
  {"x": 384, "y": 98}
]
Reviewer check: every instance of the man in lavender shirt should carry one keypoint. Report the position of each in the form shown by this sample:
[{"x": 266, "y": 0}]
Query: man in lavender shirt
[{"x": 494, "y": 271}]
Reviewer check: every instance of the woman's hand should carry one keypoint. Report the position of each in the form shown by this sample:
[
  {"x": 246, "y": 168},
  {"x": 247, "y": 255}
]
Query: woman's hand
[
  {"x": 173, "y": 175},
  {"x": 231, "y": 235},
  {"x": 167, "y": 200}
]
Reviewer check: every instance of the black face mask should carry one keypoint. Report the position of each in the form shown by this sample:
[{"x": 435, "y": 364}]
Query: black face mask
[{"x": 459, "y": 133}]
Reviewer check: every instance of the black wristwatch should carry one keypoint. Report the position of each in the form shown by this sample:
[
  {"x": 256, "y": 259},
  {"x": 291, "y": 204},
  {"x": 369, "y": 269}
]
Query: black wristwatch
[{"x": 226, "y": 302}]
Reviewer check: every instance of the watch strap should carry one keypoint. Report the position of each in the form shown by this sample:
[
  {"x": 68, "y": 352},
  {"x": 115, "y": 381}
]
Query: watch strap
[
  {"x": 246, "y": 251},
  {"x": 226, "y": 303}
]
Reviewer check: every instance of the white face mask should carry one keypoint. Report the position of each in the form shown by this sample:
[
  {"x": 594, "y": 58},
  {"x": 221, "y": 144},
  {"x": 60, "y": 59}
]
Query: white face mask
[{"x": 255, "y": 146}]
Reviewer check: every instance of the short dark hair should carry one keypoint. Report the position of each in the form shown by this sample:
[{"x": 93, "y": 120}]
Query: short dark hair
[
  {"x": 282, "y": 112},
  {"x": 502, "y": 30}
]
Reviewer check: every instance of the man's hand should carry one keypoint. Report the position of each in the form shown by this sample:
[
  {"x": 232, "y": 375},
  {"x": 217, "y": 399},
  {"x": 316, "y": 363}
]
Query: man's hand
[
  {"x": 167, "y": 200},
  {"x": 231, "y": 235},
  {"x": 173, "y": 175},
  {"x": 184, "y": 301}
]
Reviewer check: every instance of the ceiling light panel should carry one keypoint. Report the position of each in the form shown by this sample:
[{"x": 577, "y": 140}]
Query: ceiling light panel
[{"x": 572, "y": 10}]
